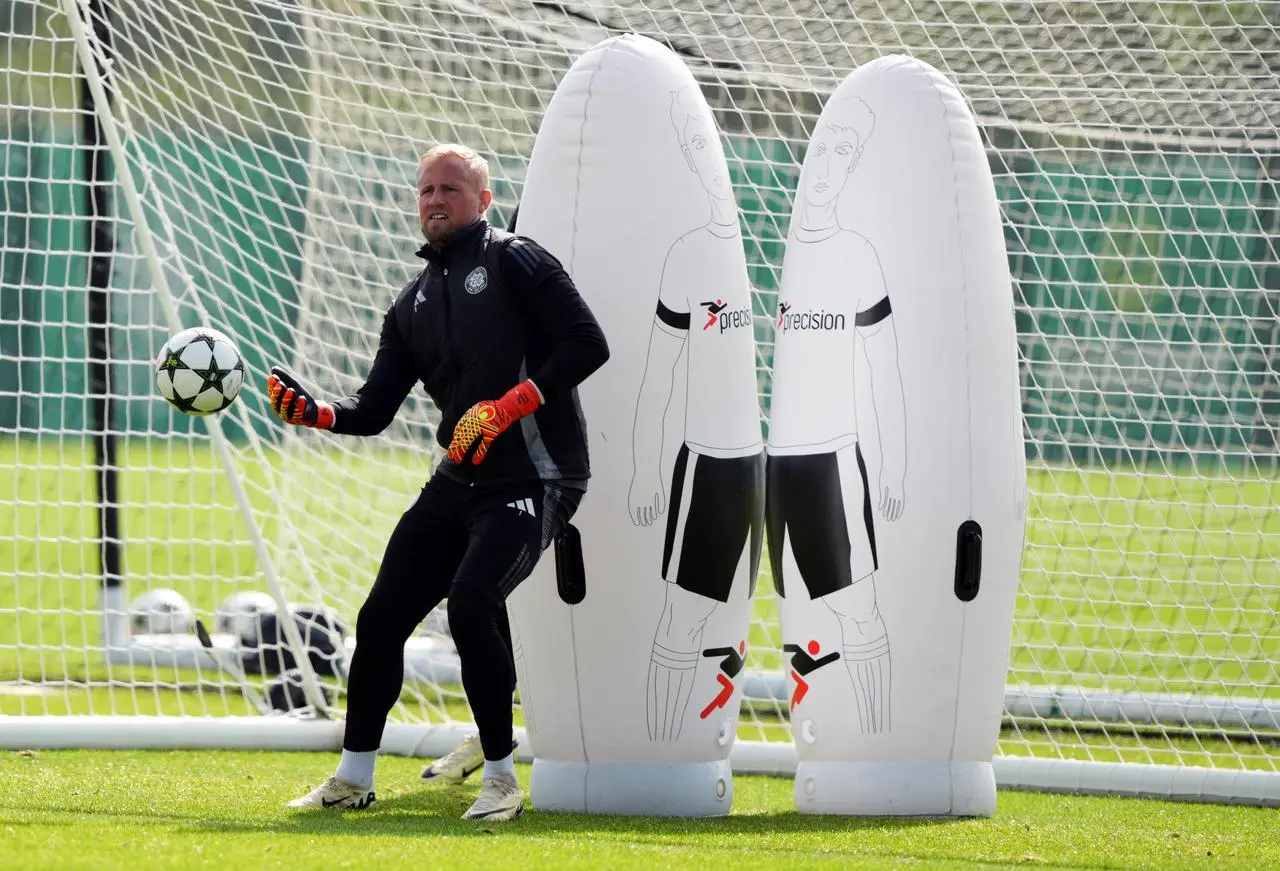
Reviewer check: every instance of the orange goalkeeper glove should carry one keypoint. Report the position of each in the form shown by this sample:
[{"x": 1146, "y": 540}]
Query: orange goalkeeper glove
[
  {"x": 293, "y": 404},
  {"x": 485, "y": 421}
]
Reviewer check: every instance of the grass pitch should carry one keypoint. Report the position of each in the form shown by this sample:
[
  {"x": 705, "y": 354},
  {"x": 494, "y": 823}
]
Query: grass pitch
[{"x": 156, "y": 810}]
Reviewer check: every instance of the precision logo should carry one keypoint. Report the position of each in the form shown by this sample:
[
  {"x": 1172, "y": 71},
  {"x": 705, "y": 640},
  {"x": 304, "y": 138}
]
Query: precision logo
[
  {"x": 728, "y": 320},
  {"x": 809, "y": 320}
]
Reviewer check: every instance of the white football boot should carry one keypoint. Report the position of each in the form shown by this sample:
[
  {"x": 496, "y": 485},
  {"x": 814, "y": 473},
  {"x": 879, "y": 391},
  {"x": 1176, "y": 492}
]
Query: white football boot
[
  {"x": 462, "y": 762},
  {"x": 335, "y": 793},
  {"x": 500, "y": 799}
]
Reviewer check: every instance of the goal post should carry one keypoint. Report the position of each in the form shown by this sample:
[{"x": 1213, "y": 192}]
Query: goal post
[
  {"x": 266, "y": 156},
  {"x": 94, "y": 60}
]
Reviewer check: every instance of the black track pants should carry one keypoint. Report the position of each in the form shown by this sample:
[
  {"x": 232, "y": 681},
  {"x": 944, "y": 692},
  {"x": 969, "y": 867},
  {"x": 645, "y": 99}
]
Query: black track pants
[{"x": 473, "y": 545}]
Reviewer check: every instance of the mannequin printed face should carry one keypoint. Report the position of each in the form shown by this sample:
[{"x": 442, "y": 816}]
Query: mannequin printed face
[
  {"x": 834, "y": 155},
  {"x": 701, "y": 152}
]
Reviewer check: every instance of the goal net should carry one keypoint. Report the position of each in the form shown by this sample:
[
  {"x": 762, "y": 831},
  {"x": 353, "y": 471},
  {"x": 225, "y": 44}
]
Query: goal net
[{"x": 264, "y": 157}]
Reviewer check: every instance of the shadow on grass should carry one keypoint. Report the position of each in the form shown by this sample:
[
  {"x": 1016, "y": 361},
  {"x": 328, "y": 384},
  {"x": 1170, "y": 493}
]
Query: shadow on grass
[
  {"x": 435, "y": 818},
  {"x": 439, "y": 817},
  {"x": 436, "y": 813},
  {"x": 412, "y": 811}
]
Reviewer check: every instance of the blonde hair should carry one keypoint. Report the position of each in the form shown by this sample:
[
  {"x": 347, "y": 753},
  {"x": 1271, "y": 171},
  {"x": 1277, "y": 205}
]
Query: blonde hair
[{"x": 478, "y": 166}]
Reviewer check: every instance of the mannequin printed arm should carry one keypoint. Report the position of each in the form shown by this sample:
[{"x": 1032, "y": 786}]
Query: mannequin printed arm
[
  {"x": 647, "y": 498},
  {"x": 879, "y": 342}
]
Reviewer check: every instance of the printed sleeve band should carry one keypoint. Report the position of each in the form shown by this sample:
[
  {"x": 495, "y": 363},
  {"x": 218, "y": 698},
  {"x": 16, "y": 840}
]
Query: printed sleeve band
[
  {"x": 873, "y": 315},
  {"x": 675, "y": 320}
]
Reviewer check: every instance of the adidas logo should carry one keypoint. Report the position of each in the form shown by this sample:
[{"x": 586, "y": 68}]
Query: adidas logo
[
  {"x": 418, "y": 300},
  {"x": 524, "y": 506}
]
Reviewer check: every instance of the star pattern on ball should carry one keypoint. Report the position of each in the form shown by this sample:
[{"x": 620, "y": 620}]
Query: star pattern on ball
[
  {"x": 194, "y": 370},
  {"x": 211, "y": 375}
]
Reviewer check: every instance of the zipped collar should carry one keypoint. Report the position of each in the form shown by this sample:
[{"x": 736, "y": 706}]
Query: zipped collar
[{"x": 460, "y": 239}]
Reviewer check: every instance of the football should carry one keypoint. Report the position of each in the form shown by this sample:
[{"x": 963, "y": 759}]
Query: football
[
  {"x": 199, "y": 371},
  {"x": 239, "y": 613},
  {"x": 161, "y": 612}
]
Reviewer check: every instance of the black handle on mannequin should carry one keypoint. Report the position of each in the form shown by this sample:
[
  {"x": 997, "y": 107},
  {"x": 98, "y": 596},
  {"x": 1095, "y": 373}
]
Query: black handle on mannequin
[{"x": 571, "y": 573}]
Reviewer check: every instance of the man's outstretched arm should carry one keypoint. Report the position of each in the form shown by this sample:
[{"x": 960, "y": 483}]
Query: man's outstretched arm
[{"x": 371, "y": 408}]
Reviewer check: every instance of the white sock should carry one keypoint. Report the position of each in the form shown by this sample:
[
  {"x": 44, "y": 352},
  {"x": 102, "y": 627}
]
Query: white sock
[
  {"x": 357, "y": 768},
  {"x": 504, "y": 767}
]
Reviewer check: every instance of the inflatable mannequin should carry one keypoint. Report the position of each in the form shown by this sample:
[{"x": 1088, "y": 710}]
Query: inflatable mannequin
[
  {"x": 896, "y": 474},
  {"x": 631, "y": 685}
]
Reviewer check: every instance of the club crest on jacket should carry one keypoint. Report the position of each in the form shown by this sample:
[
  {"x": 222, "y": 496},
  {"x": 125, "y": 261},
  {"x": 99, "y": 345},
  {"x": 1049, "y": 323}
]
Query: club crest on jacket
[{"x": 477, "y": 280}]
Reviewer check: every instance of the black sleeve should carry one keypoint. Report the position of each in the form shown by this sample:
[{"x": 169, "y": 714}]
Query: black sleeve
[
  {"x": 559, "y": 312},
  {"x": 371, "y": 409}
]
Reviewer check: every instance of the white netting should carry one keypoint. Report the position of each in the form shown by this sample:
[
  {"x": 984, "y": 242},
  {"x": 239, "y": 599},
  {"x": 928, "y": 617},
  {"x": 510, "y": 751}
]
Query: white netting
[{"x": 1135, "y": 151}]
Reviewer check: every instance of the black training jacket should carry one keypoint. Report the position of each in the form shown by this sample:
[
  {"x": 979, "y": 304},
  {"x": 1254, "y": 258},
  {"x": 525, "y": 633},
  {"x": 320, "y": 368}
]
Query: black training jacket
[{"x": 489, "y": 310}]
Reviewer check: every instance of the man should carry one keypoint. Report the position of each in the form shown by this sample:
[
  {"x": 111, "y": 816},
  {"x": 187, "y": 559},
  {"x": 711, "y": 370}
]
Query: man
[
  {"x": 498, "y": 335},
  {"x": 707, "y": 322},
  {"x": 468, "y": 757}
]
